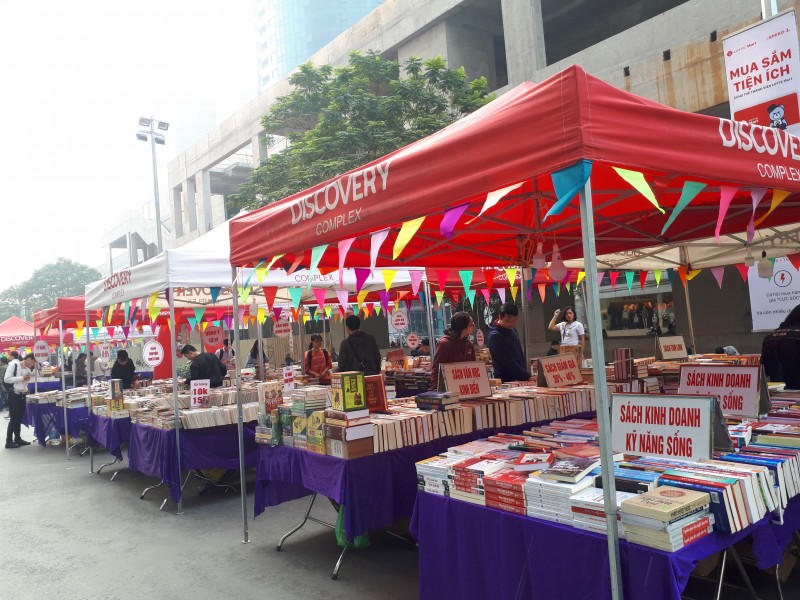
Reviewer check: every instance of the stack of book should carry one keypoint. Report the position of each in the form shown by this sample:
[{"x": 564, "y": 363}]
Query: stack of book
[
  {"x": 504, "y": 489},
  {"x": 550, "y": 500},
  {"x": 588, "y": 510},
  {"x": 466, "y": 478},
  {"x": 667, "y": 518},
  {"x": 437, "y": 400},
  {"x": 433, "y": 474},
  {"x": 308, "y": 403},
  {"x": 348, "y": 434}
]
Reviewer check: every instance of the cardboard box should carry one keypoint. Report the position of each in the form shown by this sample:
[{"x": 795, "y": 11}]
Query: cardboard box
[{"x": 355, "y": 449}]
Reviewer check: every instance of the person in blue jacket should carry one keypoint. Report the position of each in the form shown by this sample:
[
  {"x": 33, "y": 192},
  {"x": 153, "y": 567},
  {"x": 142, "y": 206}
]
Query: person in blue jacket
[{"x": 508, "y": 359}]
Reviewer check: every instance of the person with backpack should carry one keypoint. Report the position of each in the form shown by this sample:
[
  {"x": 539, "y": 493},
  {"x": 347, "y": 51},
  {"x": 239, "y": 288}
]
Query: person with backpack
[
  {"x": 318, "y": 360},
  {"x": 16, "y": 380},
  {"x": 204, "y": 365},
  {"x": 359, "y": 351},
  {"x": 3, "y": 393},
  {"x": 226, "y": 355}
]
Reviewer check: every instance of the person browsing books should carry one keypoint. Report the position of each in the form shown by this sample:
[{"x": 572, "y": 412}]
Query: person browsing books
[
  {"x": 572, "y": 333},
  {"x": 424, "y": 348},
  {"x": 16, "y": 379},
  {"x": 508, "y": 359},
  {"x": 204, "y": 365},
  {"x": 454, "y": 346},
  {"x": 124, "y": 369},
  {"x": 318, "y": 360},
  {"x": 780, "y": 351},
  {"x": 359, "y": 350},
  {"x": 226, "y": 354}
]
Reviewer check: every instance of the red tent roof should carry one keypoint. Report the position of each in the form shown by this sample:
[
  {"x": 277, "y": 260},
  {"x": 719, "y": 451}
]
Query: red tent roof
[
  {"x": 15, "y": 332},
  {"x": 521, "y": 138},
  {"x": 67, "y": 310}
]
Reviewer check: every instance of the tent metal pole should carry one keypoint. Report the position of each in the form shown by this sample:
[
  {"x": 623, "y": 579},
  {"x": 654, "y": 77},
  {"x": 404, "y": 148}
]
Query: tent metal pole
[
  {"x": 239, "y": 410},
  {"x": 525, "y": 334},
  {"x": 688, "y": 302},
  {"x": 64, "y": 383},
  {"x": 601, "y": 388},
  {"x": 88, "y": 374},
  {"x": 176, "y": 408},
  {"x": 300, "y": 330},
  {"x": 88, "y": 392},
  {"x": 429, "y": 314},
  {"x": 36, "y": 372},
  {"x": 260, "y": 338}
]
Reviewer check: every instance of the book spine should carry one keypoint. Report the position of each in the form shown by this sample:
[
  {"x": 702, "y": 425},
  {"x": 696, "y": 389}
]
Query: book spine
[{"x": 717, "y": 505}]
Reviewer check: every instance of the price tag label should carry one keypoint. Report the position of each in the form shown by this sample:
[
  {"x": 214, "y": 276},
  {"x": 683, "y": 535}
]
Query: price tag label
[
  {"x": 200, "y": 389},
  {"x": 412, "y": 341},
  {"x": 282, "y": 329},
  {"x": 400, "y": 320},
  {"x": 479, "y": 337},
  {"x": 41, "y": 351}
]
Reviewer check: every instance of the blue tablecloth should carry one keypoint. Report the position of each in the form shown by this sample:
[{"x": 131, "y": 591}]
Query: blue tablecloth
[
  {"x": 41, "y": 417},
  {"x": 375, "y": 490},
  {"x": 76, "y": 419},
  {"x": 46, "y": 386},
  {"x": 474, "y": 552},
  {"x": 109, "y": 433},
  {"x": 153, "y": 451}
]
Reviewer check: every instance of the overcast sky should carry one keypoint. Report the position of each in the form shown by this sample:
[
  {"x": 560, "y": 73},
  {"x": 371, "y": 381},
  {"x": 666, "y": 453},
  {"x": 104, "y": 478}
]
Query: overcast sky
[{"x": 76, "y": 76}]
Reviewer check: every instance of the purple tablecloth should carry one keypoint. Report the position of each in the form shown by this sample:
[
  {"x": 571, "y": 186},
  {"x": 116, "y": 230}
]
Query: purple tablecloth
[
  {"x": 76, "y": 419},
  {"x": 375, "y": 490},
  {"x": 771, "y": 540},
  {"x": 41, "y": 417},
  {"x": 109, "y": 433},
  {"x": 468, "y": 551},
  {"x": 153, "y": 451}
]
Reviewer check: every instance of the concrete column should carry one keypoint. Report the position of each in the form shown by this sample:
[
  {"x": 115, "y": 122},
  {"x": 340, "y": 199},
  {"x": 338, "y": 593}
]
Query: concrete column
[
  {"x": 524, "y": 35},
  {"x": 205, "y": 215},
  {"x": 259, "y": 149},
  {"x": 177, "y": 213},
  {"x": 190, "y": 203}
]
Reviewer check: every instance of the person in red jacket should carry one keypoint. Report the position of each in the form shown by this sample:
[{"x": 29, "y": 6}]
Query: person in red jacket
[{"x": 454, "y": 346}]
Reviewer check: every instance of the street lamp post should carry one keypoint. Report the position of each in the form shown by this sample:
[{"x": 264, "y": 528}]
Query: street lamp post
[{"x": 155, "y": 138}]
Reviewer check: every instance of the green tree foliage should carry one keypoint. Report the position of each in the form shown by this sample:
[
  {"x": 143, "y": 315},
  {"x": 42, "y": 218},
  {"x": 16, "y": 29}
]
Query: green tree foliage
[
  {"x": 337, "y": 119},
  {"x": 60, "y": 279}
]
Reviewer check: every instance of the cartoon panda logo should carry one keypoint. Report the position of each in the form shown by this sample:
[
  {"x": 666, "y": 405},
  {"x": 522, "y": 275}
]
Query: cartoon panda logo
[{"x": 776, "y": 112}]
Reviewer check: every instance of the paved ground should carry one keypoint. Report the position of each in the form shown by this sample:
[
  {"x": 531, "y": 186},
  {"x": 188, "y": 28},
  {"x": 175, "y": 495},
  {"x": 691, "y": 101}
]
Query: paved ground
[{"x": 68, "y": 533}]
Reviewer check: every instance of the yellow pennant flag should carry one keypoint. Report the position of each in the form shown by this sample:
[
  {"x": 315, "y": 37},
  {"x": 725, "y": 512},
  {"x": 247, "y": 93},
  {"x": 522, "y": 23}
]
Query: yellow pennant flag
[
  {"x": 362, "y": 295},
  {"x": 778, "y": 196},
  {"x": 514, "y": 290},
  {"x": 692, "y": 274},
  {"x": 261, "y": 272},
  {"x": 581, "y": 275},
  {"x": 306, "y": 317},
  {"x": 407, "y": 231},
  {"x": 639, "y": 183},
  {"x": 153, "y": 312},
  {"x": 512, "y": 277},
  {"x": 204, "y": 324},
  {"x": 388, "y": 277},
  {"x": 78, "y": 332},
  {"x": 262, "y": 315}
]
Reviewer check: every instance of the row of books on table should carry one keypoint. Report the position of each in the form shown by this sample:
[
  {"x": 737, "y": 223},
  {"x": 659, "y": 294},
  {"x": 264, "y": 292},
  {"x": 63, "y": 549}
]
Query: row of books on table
[{"x": 552, "y": 472}]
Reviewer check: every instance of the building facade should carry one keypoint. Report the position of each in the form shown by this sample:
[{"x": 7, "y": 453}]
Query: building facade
[{"x": 289, "y": 32}]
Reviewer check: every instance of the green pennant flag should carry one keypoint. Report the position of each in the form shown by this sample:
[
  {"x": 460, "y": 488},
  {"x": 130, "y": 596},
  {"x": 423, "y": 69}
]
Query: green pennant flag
[
  {"x": 466, "y": 279},
  {"x": 198, "y": 314},
  {"x": 689, "y": 192},
  {"x": 657, "y": 275},
  {"x": 629, "y": 279},
  {"x": 316, "y": 256},
  {"x": 439, "y": 296},
  {"x": 244, "y": 293},
  {"x": 639, "y": 183},
  {"x": 471, "y": 298},
  {"x": 296, "y": 294}
]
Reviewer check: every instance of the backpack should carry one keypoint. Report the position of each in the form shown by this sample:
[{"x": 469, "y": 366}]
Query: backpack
[
  {"x": 10, "y": 386},
  {"x": 308, "y": 359}
]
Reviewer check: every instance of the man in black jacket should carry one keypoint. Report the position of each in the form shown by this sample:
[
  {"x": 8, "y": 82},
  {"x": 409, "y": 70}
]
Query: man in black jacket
[
  {"x": 204, "y": 365},
  {"x": 508, "y": 360},
  {"x": 359, "y": 351},
  {"x": 780, "y": 352}
]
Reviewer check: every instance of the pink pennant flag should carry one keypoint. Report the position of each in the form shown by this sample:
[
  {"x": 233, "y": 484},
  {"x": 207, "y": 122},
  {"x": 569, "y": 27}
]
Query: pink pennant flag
[
  {"x": 718, "y": 273},
  {"x": 450, "y": 220},
  {"x": 344, "y": 248},
  {"x": 757, "y": 194},
  {"x": 342, "y": 296},
  {"x": 319, "y": 294},
  {"x": 486, "y": 294},
  {"x": 276, "y": 310},
  {"x": 542, "y": 290},
  {"x": 743, "y": 271},
  {"x": 600, "y": 276},
  {"x": 361, "y": 277},
  {"x": 502, "y": 293},
  {"x": 295, "y": 264},
  {"x": 416, "y": 279},
  {"x": 384, "y": 296},
  {"x": 726, "y": 194},
  {"x": 376, "y": 241},
  {"x": 613, "y": 277}
]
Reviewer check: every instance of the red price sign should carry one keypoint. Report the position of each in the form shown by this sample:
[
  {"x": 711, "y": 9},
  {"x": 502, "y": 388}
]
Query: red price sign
[{"x": 560, "y": 370}]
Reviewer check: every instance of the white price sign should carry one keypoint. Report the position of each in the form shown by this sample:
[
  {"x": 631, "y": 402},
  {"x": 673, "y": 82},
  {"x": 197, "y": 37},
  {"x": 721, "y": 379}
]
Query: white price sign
[
  {"x": 105, "y": 352},
  {"x": 667, "y": 426},
  {"x": 400, "y": 320},
  {"x": 282, "y": 329},
  {"x": 468, "y": 379},
  {"x": 479, "y": 337},
  {"x": 559, "y": 370},
  {"x": 671, "y": 348},
  {"x": 41, "y": 351},
  {"x": 736, "y": 386},
  {"x": 200, "y": 389},
  {"x": 153, "y": 353},
  {"x": 412, "y": 341},
  {"x": 288, "y": 379}
]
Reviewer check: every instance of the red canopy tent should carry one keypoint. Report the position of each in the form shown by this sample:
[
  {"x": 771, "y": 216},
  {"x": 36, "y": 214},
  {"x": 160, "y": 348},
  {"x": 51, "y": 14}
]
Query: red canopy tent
[
  {"x": 67, "y": 310},
  {"x": 15, "y": 332},
  {"x": 522, "y": 138},
  {"x": 604, "y": 162}
]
